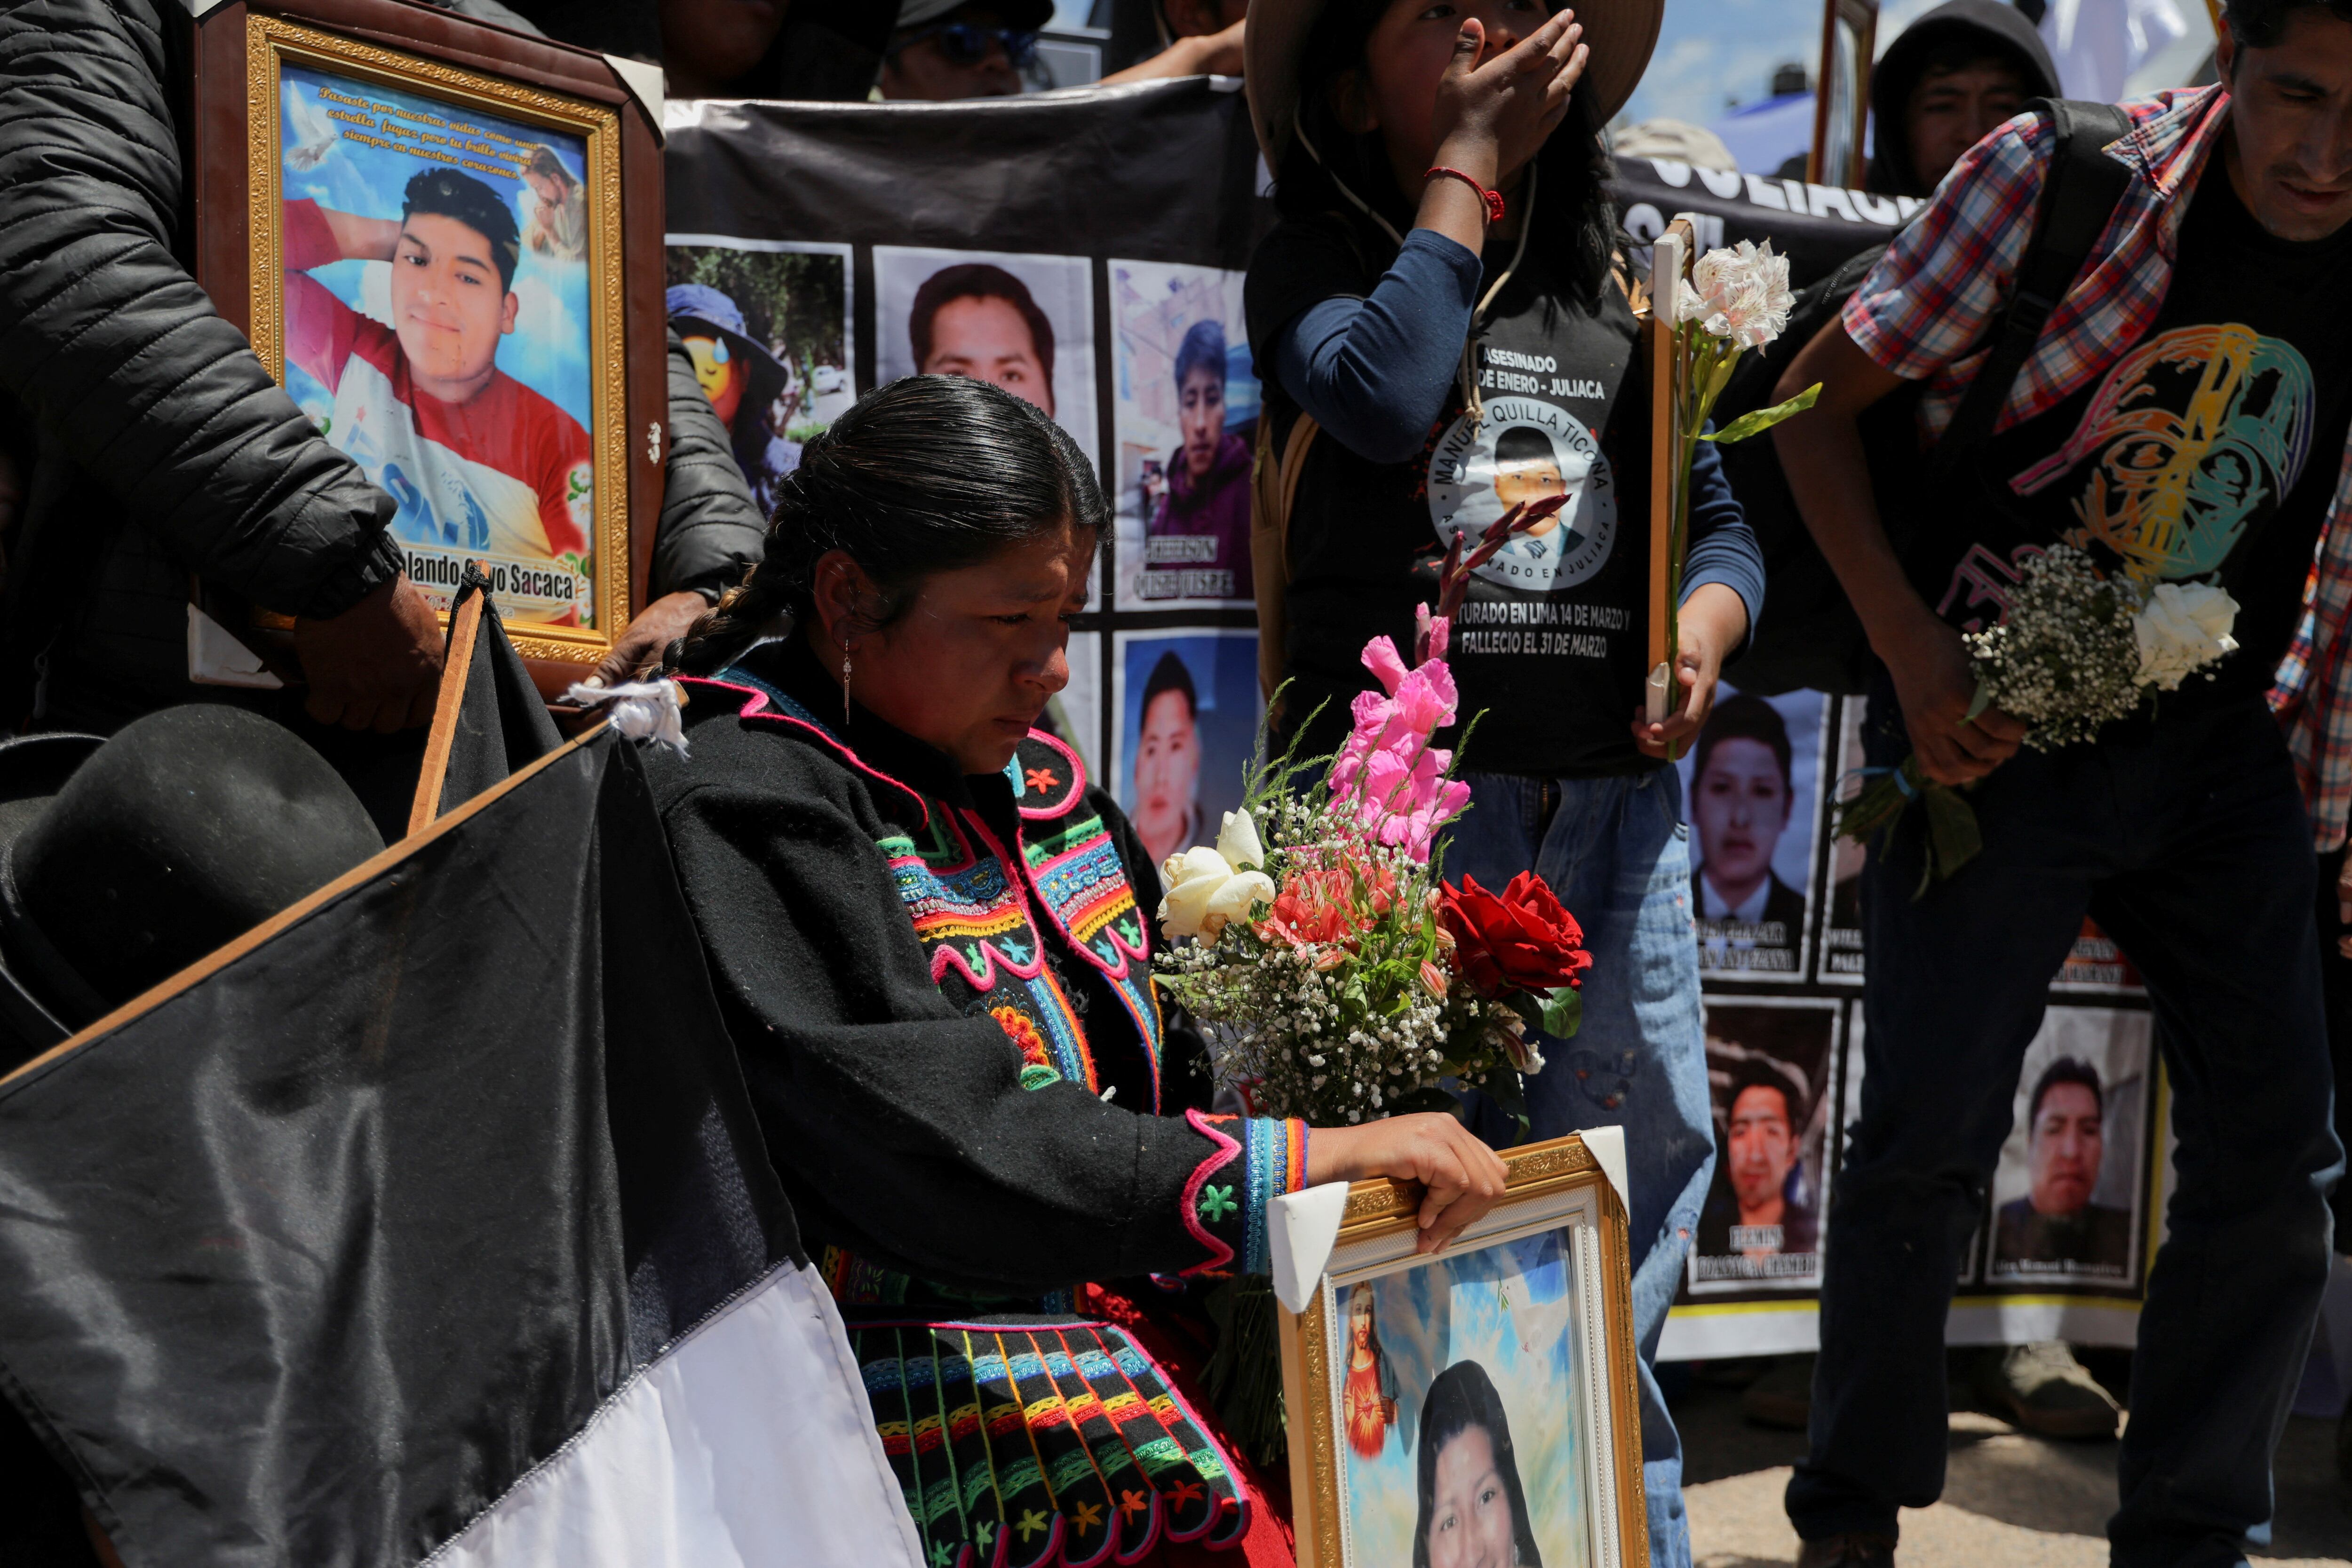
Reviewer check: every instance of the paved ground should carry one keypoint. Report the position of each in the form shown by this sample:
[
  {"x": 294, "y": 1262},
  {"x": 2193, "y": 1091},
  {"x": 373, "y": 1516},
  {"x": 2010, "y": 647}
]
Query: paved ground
[{"x": 2009, "y": 1500}]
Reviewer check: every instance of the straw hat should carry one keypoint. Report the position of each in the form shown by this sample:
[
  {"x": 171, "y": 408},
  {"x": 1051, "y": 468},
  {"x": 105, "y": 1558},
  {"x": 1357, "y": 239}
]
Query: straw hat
[{"x": 1620, "y": 33}]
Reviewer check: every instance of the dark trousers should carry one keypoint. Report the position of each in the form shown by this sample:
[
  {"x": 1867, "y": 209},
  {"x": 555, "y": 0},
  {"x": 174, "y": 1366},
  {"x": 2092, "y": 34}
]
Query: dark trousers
[
  {"x": 2335, "y": 974},
  {"x": 2187, "y": 841}
]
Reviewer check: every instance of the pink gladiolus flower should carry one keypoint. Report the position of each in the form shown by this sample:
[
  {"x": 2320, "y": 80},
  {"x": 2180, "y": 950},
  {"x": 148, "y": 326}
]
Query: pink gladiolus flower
[
  {"x": 1431, "y": 633},
  {"x": 1386, "y": 775}
]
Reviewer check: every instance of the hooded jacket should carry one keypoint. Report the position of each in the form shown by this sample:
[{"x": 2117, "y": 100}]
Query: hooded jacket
[
  {"x": 1998, "y": 26},
  {"x": 152, "y": 444}
]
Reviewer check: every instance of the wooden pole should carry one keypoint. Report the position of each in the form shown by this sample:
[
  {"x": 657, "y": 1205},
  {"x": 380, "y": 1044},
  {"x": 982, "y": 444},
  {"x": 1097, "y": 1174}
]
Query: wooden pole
[
  {"x": 1669, "y": 259},
  {"x": 463, "y": 628}
]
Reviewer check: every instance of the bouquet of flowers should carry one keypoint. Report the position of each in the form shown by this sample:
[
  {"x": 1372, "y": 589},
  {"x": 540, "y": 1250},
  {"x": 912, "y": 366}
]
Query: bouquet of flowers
[
  {"x": 2076, "y": 651},
  {"x": 1736, "y": 300},
  {"x": 1354, "y": 981}
]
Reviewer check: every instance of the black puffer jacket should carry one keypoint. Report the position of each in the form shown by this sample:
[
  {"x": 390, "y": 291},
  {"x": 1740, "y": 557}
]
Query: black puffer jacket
[
  {"x": 159, "y": 445},
  {"x": 155, "y": 446}
]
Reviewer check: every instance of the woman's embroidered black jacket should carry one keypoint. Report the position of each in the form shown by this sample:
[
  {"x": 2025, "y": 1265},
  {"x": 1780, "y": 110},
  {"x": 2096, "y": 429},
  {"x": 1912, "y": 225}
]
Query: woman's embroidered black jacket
[{"x": 939, "y": 989}]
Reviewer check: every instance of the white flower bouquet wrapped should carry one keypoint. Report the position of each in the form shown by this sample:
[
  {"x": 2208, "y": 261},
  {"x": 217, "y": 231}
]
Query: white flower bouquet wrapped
[{"x": 2076, "y": 652}]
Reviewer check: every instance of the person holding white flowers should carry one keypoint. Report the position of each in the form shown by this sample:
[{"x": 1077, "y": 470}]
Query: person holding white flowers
[
  {"x": 2179, "y": 428},
  {"x": 1444, "y": 306}
]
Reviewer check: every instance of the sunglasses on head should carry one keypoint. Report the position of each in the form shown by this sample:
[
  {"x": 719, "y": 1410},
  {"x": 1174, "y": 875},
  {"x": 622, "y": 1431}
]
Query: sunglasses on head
[{"x": 967, "y": 43}]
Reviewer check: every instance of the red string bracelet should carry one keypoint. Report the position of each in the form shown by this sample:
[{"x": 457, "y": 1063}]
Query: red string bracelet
[{"x": 1493, "y": 199}]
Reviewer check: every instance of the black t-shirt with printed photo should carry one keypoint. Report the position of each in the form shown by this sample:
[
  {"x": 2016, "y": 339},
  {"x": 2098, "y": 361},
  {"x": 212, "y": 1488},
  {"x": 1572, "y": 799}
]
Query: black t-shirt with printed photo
[
  {"x": 2213, "y": 446},
  {"x": 1551, "y": 644}
]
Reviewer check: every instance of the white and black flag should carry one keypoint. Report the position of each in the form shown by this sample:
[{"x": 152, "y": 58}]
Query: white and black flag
[{"x": 430, "y": 1222}]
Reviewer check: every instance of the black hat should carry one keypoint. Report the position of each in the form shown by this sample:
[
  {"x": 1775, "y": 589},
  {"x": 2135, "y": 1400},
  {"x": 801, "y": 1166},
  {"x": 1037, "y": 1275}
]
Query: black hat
[{"x": 122, "y": 863}]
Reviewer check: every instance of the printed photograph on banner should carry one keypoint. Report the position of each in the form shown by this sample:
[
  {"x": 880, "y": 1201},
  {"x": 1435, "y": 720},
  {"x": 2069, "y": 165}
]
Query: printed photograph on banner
[
  {"x": 1025, "y": 323},
  {"x": 1460, "y": 1402},
  {"x": 1751, "y": 792},
  {"x": 1185, "y": 402},
  {"x": 1769, "y": 1069},
  {"x": 1188, "y": 717},
  {"x": 1075, "y": 714},
  {"x": 437, "y": 328},
  {"x": 2066, "y": 1194},
  {"x": 770, "y": 327},
  {"x": 1842, "y": 926},
  {"x": 2096, "y": 966}
]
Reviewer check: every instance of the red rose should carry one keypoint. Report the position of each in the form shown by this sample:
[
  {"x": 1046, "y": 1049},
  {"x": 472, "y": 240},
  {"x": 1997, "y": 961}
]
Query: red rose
[{"x": 1517, "y": 940}]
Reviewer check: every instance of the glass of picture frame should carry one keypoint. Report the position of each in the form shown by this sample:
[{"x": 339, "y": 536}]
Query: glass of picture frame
[
  {"x": 419, "y": 221},
  {"x": 1486, "y": 1393}
]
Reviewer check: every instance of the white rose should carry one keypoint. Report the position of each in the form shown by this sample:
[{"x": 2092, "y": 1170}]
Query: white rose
[
  {"x": 2182, "y": 628},
  {"x": 1204, "y": 892},
  {"x": 1237, "y": 841},
  {"x": 1234, "y": 900}
]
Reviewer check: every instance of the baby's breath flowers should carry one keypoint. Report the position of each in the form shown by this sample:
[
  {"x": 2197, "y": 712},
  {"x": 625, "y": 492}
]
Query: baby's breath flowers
[{"x": 2076, "y": 652}]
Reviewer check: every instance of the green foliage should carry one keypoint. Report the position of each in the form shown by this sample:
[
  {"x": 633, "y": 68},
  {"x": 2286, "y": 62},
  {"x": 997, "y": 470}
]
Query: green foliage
[{"x": 1763, "y": 418}]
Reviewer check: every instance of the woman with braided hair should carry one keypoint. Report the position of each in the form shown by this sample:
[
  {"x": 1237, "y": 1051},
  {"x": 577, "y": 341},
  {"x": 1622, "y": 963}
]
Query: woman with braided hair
[{"x": 929, "y": 933}]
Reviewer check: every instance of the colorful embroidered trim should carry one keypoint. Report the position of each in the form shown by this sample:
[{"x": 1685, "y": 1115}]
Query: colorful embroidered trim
[
  {"x": 1228, "y": 1217},
  {"x": 735, "y": 678},
  {"x": 1046, "y": 1443},
  {"x": 1046, "y": 775}
]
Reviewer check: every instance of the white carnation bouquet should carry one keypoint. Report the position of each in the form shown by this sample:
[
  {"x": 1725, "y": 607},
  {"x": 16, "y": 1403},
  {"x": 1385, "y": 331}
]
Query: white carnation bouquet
[{"x": 2076, "y": 651}]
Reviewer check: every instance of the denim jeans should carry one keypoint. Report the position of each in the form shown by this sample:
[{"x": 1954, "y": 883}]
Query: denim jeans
[
  {"x": 2186, "y": 840},
  {"x": 1616, "y": 853}
]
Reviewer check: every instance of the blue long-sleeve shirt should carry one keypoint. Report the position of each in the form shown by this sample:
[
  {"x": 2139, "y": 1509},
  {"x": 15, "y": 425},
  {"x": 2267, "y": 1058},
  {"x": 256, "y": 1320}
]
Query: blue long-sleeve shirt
[{"x": 1375, "y": 372}]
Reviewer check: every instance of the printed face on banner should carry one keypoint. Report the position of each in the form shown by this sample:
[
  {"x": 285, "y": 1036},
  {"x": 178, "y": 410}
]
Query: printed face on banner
[
  {"x": 437, "y": 328},
  {"x": 1767, "y": 1067},
  {"x": 1185, "y": 410},
  {"x": 1751, "y": 789},
  {"x": 1024, "y": 323},
  {"x": 1460, "y": 1400},
  {"x": 2067, "y": 1192},
  {"x": 1188, "y": 707},
  {"x": 767, "y": 325},
  {"x": 1525, "y": 450}
]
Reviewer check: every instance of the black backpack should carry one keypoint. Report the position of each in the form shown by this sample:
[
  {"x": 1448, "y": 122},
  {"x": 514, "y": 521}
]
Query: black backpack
[{"x": 1809, "y": 636}]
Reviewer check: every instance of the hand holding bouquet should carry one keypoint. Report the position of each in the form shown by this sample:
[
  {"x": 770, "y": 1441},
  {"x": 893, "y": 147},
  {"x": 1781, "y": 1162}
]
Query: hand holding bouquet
[
  {"x": 2076, "y": 651},
  {"x": 1735, "y": 299}
]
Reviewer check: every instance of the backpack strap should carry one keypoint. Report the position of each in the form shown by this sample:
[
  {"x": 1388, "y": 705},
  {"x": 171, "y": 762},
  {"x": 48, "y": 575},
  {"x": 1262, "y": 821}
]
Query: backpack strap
[
  {"x": 2078, "y": 200},
  {"x": 1274, "y": 488}
]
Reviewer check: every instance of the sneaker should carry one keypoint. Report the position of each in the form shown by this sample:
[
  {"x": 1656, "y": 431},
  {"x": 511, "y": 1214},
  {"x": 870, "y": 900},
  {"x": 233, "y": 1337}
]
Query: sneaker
[
  {"x": 1784, "y": 1396},
  {"x": 1847, "y": 1552},
  {"x": 2046, "y": 1391}
]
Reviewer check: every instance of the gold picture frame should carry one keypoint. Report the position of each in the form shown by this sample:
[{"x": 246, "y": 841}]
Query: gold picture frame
[
  {"x": 274, "y": 43},
  {"x": 1563, "y": 1205}
]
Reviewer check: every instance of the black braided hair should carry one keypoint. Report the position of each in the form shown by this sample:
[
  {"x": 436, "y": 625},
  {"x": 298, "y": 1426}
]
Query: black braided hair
[{"x": 929, "y": 473}]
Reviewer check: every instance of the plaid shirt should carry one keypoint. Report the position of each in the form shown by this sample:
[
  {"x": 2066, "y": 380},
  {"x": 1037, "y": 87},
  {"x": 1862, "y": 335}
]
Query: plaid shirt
[{"x": 1925, "y": 308}]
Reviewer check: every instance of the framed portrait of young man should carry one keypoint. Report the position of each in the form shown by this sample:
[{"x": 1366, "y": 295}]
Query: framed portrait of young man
[
  {"x": 1475, "y": 1404},
  {"x": 420, "y": 221}
]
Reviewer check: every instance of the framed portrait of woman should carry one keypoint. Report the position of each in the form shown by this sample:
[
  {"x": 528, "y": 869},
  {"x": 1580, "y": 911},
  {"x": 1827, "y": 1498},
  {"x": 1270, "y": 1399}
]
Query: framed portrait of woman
[
  {"x": 419, "y": 221},
  {"x": 1476, "y": 1405}
]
